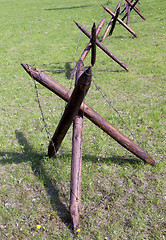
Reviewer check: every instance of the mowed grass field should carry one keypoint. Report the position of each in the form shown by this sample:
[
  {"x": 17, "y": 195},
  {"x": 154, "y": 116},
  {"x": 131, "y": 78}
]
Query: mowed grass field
[{"x": 122, "y": 196}]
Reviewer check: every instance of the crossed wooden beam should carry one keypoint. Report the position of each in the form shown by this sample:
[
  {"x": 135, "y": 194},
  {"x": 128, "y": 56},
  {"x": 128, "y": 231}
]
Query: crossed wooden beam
[
  {"x": 74, "y": 111},
  {"x": 115, "y": 17}
]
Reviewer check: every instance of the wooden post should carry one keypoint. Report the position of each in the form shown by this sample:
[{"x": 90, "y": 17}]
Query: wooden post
[
  {"x": 93, "y": 116},
  {"x": 93, "y": 41},
  {"x": 103, "y": 48},
  {"x": 135, "y": 9},
  {"x": 88, "y": 47},
  {"x": 75, "y": 185},
  {"x": 110, "y": 23},
  {"x": 70, "y": 112},
  {"x": 120, "y": 21},
  {"x": 128, "y": 14},
  {"x": 114, "y": 21}
]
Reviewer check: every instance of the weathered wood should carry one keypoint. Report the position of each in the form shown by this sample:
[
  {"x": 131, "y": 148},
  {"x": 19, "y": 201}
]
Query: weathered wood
[
  {"x": 135, "y": 9},
  {"x": 70, "y": 112},
  {"x": 103, "y": 47},
  {"x": 93, "y": 116},
  {"x": 120, "y": 21},
  {"x": 110, "y": 23},
  {"x": 93, "y": 41},
  {"x": 114, "y": 21},
  {"x": 88, "y": 47},
  {"x": 128, "y": 14},
  {"x": 75, "y": 184}
]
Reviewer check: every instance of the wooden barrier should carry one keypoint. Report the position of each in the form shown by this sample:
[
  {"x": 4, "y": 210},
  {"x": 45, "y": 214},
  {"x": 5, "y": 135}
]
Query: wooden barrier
[
  {"x": 103, "y": 47},
  {"x": 93, "y": 116},
  {"x": 120, "y": 21}
]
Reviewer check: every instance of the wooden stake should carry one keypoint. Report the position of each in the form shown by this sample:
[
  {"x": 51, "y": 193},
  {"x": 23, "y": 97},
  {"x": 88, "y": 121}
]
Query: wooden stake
[
  {"x": 93, "y": 116},
  {"x": 70, "y": 112},
  {"x": 87, "y": 49},
  {"x": 110, "y": 23},
  {"x": 120, "y": 21},
  {"x": 128, "y": 14},
  {"x": 103, "y": 48},
  {"x": 75, "y": 185},
  {"x": 114, "y": 21},
  {"x": 93, "y": 41}
]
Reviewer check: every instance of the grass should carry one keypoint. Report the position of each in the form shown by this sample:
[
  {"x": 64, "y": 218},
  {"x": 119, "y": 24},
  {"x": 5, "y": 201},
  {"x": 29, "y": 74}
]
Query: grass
[{"x": 122, "y": 197}]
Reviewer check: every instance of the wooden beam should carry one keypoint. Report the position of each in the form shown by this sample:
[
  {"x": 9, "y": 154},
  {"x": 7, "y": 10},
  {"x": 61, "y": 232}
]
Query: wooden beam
[
  {"x": 114, "y": 21},
  {"x": 76, "y": 162},
  {"x": 93, "y": 116},
  {"x": 93, "y": 49},
  {"x": 70, "y": 112}
]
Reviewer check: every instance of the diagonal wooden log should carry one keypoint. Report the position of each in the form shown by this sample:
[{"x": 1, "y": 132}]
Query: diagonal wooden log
[
  {"x": 120, "y": 21},
  {"x": 70, "y": 112},
  {"x": 114, "y": 21},
  {"x": 103, "y": 48},
  {"x": 88, "y": 47},
  {"x": 135, "y": 9},
  {"x": 110, "y": 23},
  {"x": 124, "y": 8},
  {"x": 76, "y": 162},
  {"x": 93, "y": 49},
  {"x": 93, "y": 116}
]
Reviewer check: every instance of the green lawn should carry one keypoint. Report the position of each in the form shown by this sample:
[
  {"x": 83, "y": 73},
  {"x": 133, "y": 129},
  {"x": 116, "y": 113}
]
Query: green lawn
[{"x": 122, "y": 196}]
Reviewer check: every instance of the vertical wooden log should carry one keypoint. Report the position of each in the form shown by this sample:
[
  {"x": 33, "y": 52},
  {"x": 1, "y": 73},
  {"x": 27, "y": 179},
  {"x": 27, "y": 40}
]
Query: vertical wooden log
[
  {"x": 93, "y": 41},
  {"x": 70, "y": 112},
  {"x": 75, "y": 185}
]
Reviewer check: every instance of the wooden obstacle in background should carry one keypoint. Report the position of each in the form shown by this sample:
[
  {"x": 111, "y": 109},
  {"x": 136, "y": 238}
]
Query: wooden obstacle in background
[
  {"x": 120, "y": 21},
  {"x": 103, "y": 48},
  {"x": 129, "y": 7}
]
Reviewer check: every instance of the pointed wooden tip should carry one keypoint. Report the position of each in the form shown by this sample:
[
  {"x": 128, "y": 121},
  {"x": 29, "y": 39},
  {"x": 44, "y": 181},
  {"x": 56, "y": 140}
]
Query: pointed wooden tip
[
  {"x": 150, "y": 160},
  {"x": 94, "y": 25},
  {"x": 75, "y": 215},
  {"x": 77, "y": 23},
  {"x": 103, "y": 6},
  {"x": 25, "y": 66}
]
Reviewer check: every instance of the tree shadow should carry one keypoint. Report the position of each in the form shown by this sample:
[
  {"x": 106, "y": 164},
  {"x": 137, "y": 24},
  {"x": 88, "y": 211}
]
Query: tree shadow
[{"x": 68, "y": 8}]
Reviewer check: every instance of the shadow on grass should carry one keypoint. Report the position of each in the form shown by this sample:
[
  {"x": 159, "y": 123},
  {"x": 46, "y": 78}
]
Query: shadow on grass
[
  {"x": 57, "y": 68},
  {"x": 35, "y": 159},
  {"x": 68, "y": 8}
]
